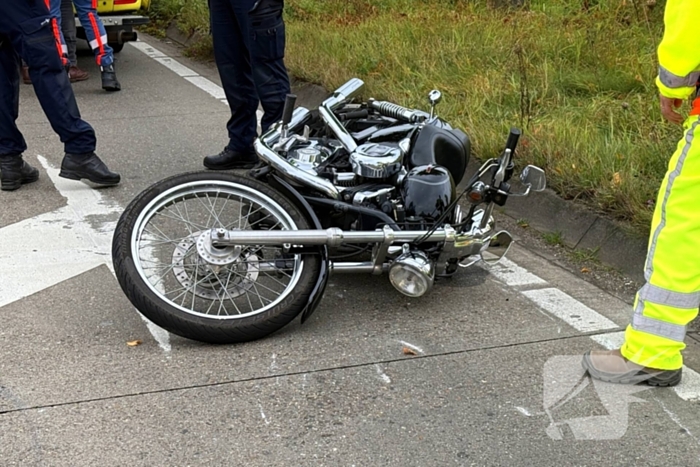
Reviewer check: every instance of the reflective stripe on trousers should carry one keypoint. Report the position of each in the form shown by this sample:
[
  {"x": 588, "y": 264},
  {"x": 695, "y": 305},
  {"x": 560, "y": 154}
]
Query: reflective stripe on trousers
[{"x": 671, "y": 296}]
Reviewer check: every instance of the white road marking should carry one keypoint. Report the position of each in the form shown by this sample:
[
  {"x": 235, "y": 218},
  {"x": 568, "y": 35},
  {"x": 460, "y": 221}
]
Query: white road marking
[
  {"x": 192, "y": 76},
  {"x": 383, "y": 376},
  {"x": 216, "y": 91},
  {"x": 48, "y": 249},
  {"x": 262, "y": 414},
  {"x": 512, "y": 275},
  {"x": 177, "y": 67},
  {"x": 45, "y": 250},
  {"x": 613, "y": 340},
  {"x": 147, "y": 49},
  {"x": 569, "y": 310}
]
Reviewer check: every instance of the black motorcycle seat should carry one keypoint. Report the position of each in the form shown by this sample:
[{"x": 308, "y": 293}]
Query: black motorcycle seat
[{"x": 437, "y": 146}]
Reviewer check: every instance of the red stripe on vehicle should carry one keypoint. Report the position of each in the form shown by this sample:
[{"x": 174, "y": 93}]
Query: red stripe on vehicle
[{"x": 98, "y": 37}]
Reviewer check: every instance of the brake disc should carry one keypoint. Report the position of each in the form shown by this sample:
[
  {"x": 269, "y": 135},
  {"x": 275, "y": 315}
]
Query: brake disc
[{"x": 226, "y": 275}]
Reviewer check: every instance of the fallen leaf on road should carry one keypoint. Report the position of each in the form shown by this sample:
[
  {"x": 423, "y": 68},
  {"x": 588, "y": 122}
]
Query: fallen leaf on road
[
  {"x": 585, "y": 270},
  {"x": 409, "y": 351},
  {"x": 133, "y": 343}
]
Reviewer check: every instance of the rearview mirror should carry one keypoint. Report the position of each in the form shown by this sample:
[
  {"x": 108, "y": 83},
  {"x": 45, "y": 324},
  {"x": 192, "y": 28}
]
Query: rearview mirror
[
  {"x": 498, "y": 247},
  {"x": 534, "y": 178}
]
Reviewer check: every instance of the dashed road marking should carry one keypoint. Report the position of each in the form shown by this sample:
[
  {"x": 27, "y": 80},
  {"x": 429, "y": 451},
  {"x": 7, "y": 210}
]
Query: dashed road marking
[
  {"x": 568, "y": 309},
  {"x": 513, "y": 275},
  {"x": 206, "y": 85}
]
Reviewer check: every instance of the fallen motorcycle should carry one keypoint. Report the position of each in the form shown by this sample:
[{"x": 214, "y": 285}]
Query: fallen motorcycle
[{"x": 366, "y": 187}]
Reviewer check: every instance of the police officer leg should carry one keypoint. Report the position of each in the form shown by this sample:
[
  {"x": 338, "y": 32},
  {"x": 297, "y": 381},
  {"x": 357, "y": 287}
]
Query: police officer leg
[
  {"x": 97, "y": 37},
  {"x": 13, "y": 170},
  {"x": 269, "y": 71},
  {"x": 230, "y": 33},
  {"x": 28, "y": 24}
]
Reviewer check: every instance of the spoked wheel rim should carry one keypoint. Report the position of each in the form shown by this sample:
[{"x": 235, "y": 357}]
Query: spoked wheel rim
[{"x": 175, "y": 259}]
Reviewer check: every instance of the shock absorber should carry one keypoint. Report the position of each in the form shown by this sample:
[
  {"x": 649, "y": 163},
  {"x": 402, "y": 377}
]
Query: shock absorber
[{"x": 389, "y": 109}]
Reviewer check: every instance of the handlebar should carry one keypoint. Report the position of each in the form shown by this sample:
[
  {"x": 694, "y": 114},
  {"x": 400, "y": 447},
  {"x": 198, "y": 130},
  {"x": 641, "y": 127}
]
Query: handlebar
[
  {"x": 513, "y": 138},
  {"x": 288, "y": 110}
]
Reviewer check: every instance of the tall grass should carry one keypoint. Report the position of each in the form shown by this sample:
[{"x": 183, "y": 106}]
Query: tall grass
[{"x": 575, "y": 75}]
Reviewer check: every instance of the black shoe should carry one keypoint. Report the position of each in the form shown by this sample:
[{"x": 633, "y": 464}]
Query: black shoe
[
  {"x": 14, "y": 172},
  {"x": 228, "y": 159},
  {"x": 88, "y": 166},
  {"x": 109, "y": 79}
]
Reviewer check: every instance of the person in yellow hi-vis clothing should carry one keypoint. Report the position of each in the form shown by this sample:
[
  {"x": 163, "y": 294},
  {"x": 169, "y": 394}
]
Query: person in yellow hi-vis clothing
[{"x": 670, "y": 298}]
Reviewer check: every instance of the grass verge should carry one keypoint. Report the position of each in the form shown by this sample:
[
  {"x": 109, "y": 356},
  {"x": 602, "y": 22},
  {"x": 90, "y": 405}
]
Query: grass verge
[{"x": 575, "y": 75}]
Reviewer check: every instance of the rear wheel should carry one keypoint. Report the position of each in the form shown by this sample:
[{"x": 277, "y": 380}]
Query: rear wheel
[{"x": 169, "y": 270}]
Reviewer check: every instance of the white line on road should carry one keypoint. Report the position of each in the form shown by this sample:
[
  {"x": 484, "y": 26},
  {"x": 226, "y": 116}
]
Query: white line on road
[
  {"x": 178, "y": 68},
  {"x": 569, "y": 310},
  {"x": 513, "y": 275},
  {"x": 192, "y": 76},
  {"x": 74, "y": 239}
]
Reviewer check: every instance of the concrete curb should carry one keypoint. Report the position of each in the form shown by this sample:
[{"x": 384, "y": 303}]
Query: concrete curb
[{"x": 580, "y": 228}]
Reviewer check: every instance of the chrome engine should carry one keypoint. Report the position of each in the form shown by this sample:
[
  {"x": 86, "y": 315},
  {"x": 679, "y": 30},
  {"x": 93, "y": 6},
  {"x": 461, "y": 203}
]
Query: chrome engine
[
  {"x": 376, "y": 160},
  {"x": 309, "y": 156}
]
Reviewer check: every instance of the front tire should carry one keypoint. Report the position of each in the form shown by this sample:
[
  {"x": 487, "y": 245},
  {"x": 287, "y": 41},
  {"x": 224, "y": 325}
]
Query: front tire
[{"x": 184, "y": 285}]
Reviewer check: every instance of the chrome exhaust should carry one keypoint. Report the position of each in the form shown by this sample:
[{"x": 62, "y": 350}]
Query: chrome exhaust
[{"x": 263, "y": 145}]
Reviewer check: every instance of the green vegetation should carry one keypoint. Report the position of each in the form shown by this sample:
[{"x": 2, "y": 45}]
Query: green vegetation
[
  {"x": 576, "y": 75},
  {"x": 585, "y": 255},
  {"x": 555, "y": 238}
]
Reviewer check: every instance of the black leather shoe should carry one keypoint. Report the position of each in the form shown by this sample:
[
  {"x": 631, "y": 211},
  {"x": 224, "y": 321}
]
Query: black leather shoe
[
  {"x": 14, "y": 172},
  {"x": 109, "y": 79},
  {"x": 88, "y": 166},
  {"x": 228, "y": 159}
]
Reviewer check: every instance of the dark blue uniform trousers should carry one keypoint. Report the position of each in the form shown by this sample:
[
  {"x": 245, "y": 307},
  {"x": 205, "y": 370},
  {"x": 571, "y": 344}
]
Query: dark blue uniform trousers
[
  {"x": 249, "y": 53},
  {"x": 26, "y": 31}
]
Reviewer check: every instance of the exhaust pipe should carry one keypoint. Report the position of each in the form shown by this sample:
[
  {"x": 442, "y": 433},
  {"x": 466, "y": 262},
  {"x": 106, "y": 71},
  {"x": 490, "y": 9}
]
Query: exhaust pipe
[{"x": 263, "y": 145}]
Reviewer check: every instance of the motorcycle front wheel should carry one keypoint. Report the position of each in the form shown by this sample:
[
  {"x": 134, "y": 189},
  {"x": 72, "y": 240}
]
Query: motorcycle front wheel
[{"x": 167, "y": 267}]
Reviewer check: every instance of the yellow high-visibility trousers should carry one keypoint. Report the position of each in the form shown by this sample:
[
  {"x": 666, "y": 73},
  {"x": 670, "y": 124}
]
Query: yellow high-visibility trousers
[{"x": 671, "y": 296}]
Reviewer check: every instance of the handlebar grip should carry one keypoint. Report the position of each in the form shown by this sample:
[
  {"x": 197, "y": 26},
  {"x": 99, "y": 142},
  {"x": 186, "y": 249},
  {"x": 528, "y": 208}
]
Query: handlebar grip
[
  {"x": 288, "y": 110},
  {"x": 513, "y": 139},
  {"x": 364, "y": 113}
]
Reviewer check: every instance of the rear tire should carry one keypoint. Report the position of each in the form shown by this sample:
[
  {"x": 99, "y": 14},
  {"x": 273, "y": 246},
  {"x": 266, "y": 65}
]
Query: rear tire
[{"x": 140, "y": 241}]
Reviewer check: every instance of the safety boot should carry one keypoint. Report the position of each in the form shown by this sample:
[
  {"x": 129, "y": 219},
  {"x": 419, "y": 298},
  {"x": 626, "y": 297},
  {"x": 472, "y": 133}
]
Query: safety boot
[
  {"x": 14, "y": 172},
  {"x": 228, "y": 159},
  {"x": 109, "y": 79},
  {"x": 612, "y": 367},
  {"x": 88, "y": 166}
]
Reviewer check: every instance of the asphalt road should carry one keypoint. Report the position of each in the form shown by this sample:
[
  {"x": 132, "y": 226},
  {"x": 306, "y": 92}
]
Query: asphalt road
[{"x": 495, "y": 379}]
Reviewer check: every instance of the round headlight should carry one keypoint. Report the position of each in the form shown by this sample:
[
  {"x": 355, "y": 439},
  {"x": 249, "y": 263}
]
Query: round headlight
[{"x": 412, "y": 274}]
